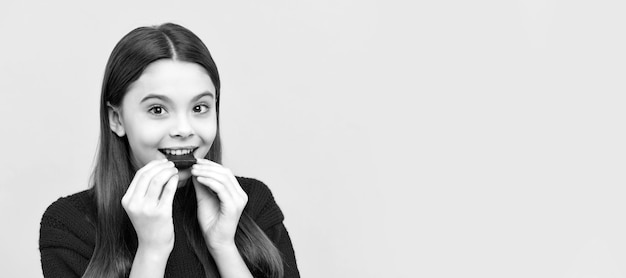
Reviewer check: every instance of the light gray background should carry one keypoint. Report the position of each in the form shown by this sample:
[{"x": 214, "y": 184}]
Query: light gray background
[{"x": 401, "y": 138}]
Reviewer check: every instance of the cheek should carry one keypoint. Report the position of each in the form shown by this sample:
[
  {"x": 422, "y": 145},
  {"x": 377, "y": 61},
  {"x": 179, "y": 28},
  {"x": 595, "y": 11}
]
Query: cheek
[
  {"x": 207, "y": 134},
  {"x": 207, "y": 130},
  {"x": 210, "y": 135},
  {"x": 146, "y": 135},
  {"x": 143, "y": 139}
]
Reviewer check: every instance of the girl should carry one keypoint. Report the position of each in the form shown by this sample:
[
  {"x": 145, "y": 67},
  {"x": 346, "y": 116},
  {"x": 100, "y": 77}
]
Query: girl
[{"x": 145, "y": 216}]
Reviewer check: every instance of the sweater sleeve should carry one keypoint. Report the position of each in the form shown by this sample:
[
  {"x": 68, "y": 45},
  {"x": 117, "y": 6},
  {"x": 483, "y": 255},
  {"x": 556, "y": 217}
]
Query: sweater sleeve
[
  {"x": 263, "y": 209},
  {"x": 65, "y": 240}
]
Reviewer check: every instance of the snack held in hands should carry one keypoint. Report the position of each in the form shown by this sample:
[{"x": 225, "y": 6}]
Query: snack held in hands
[{"x": 182, "y": 158}]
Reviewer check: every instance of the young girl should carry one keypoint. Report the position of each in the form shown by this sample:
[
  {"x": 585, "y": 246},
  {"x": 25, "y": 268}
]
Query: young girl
[{"x": 144, "y": 215}]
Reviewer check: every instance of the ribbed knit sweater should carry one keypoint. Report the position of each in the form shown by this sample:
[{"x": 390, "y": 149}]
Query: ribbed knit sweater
[{"x": 68, "y": 232}]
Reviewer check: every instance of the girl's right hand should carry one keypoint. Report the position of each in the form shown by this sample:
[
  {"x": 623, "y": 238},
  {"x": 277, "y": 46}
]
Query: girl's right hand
[{"x": 148, "y": 203}]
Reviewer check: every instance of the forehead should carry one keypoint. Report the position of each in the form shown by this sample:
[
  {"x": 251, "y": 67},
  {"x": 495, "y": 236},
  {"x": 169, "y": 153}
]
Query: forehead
[{"x": 175, "y": 79}]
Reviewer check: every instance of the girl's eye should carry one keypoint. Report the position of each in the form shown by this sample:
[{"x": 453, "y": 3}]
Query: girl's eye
[
  {"x": 202, "y": 108},
  {"x": 156, "y": 110}
]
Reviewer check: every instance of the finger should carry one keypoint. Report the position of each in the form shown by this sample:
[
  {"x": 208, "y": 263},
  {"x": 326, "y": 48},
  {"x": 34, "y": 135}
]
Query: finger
[
  {"x": 203, "y": 161},
  {"x": 207, "y": 172},
  {"x": 238, "y": 187},
  {"x": 208, "y": 169},
  {"x": 208, "y": 166},
  {"x": 228, "y": 206},
  {"x": 129, "y": 193},
  {"x": 205, "y": 194},
  {"x": 156, "y": 184},
  {"x": 146, "y": 176},
  {"x": 225, "y": 191},
  {"x": 169, "y": 191},
  {"x": 133, "y": 184},
  {"x": 217, "y": 187},
  {"x": 202, "y": 189},
  {"x": 207, "y": 162},
  {"x": 229, "y": 177}
]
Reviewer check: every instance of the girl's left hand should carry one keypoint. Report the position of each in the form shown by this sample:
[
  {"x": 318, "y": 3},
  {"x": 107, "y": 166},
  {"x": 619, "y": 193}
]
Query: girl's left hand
[{"x": 221, "y": 201}]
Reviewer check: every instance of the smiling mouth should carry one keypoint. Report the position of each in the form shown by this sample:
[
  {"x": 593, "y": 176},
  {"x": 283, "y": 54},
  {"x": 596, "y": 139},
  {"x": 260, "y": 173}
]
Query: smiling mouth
[{"x": 182, "y": 157}]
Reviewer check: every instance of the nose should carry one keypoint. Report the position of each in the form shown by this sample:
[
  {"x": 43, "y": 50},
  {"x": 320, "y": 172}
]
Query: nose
[{"x": 182, "y": 127}]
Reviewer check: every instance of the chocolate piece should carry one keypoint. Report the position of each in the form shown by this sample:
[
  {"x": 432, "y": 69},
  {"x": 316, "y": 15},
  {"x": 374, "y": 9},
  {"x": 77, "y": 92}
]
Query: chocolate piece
[{"x": 182, "y": 162}]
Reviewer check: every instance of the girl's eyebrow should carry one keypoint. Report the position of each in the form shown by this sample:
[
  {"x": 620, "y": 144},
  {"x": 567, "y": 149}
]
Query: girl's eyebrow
[
  {"x": 204, "y": 94},
  {"x": 151, "y": 96},
  {"x": 166, "y": 99}
]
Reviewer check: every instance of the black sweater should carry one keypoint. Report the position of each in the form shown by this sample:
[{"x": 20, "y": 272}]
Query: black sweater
[{"x": 67, "y": 235}]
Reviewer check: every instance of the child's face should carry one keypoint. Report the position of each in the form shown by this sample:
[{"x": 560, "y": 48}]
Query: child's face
[{"x": 171, "y": 107}]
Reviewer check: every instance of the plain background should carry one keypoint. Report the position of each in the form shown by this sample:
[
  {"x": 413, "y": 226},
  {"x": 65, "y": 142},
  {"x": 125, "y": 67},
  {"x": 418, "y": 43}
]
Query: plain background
[{"x": 401, "y": 138}]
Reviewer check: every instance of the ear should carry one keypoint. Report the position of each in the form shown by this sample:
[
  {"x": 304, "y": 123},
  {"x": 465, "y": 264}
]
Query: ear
[{"x": 115, "y": 120}]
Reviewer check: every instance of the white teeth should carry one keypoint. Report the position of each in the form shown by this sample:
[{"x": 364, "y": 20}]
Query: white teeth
[{"x": 177, "y": 152}]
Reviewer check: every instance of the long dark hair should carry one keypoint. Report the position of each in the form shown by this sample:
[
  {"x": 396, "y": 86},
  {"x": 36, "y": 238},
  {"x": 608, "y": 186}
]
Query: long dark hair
[{"x": 116, "y": 240}]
